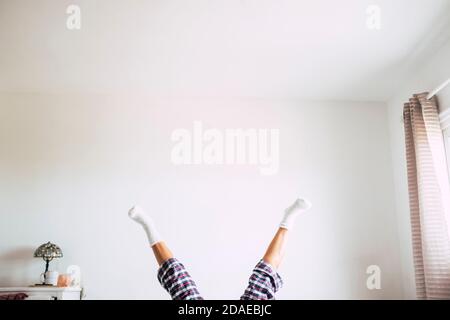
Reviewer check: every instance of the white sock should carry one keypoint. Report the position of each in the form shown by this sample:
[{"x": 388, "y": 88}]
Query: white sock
[
  {"x": 300, "y": 205},
  {"x": 138, "y": 214}
]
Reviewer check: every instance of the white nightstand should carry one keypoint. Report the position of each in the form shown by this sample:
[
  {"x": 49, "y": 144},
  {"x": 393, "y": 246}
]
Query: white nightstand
[{"x": 45, "y": 293}]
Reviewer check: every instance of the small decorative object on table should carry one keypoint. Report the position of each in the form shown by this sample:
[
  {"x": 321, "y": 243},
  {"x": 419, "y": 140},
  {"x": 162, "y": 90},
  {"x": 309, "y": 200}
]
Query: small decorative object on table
[
  {"x": 48, "y": 251},
  {"x": 75, "y": 272},
  {"x": 64, "y": 280}
]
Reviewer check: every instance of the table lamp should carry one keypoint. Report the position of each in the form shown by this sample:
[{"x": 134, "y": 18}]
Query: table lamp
[{"x": 48, "y": 251}]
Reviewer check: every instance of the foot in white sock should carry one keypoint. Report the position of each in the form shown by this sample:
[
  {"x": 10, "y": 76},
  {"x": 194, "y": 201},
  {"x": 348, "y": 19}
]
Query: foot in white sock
[
  {"x": 300, "y": 205},
  {"x": 138, "y": 214}
]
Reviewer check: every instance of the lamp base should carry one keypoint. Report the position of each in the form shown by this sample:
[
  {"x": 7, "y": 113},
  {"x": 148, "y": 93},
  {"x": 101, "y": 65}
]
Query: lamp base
[{"x": 43, "y": 285}]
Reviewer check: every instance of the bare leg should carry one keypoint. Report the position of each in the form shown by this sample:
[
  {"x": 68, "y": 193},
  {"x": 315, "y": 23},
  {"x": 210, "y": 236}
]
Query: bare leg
[
  {"x": 275, "y": 252},
  {"x": 172, "y": 274},
  {"x": 264, "y": 281},
  {"x": 162, "y": 252}
]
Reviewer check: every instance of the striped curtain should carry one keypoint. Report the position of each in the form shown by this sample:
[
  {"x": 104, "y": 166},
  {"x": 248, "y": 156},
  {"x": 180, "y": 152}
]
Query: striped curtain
[{"x": 429, "y": 197}]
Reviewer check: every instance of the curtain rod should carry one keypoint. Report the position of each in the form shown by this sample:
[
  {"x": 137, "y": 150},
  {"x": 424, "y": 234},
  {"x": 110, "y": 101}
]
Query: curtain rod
[{"x": 436, "y": 91}]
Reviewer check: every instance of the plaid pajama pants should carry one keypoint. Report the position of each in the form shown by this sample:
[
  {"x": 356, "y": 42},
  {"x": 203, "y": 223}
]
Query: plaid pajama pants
[{"x": 262, "y": 285}]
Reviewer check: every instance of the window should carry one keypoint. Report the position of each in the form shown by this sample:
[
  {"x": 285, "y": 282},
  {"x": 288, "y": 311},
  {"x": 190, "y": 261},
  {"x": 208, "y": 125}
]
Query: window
[
  {"x": 445, "y": 123},
  {"x": 447, "y": 146}
]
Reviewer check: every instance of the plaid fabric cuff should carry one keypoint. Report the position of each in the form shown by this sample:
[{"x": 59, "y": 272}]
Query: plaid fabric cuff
[
  {"x": 275, "y": 279},
  {"x": 174, "y": 277},
  {"x": 263, "y": 283}
]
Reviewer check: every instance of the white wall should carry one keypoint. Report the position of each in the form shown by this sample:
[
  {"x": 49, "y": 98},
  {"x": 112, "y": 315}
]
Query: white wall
[
  {"x": 72, "y": 165},
  {"x": 424, "y": 77}
]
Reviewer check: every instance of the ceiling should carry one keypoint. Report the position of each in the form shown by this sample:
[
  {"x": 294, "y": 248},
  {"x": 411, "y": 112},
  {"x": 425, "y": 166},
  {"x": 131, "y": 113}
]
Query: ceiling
[{"x": 317, "y": 49}]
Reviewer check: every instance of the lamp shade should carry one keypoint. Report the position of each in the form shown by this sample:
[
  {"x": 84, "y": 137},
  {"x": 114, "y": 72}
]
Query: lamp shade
[{"x": 48, "y": 251}]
